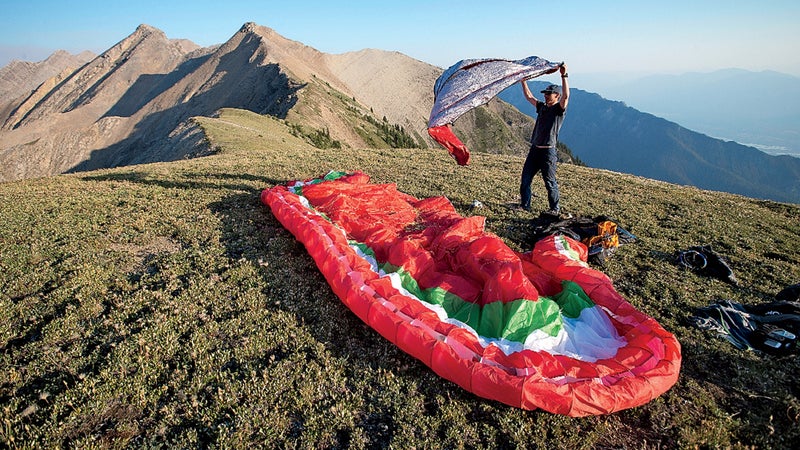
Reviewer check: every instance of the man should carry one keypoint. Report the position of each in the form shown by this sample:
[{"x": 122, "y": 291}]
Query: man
[{"x": 542, "y": 155}]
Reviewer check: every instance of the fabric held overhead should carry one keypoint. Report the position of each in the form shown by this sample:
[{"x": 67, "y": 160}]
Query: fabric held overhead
[{"x": 471, "y": 83}]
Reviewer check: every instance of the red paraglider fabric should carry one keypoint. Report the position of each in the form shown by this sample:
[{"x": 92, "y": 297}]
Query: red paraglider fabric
[
  {"x": 534, "y": 330},
  {"x": 445, "y": 137}
]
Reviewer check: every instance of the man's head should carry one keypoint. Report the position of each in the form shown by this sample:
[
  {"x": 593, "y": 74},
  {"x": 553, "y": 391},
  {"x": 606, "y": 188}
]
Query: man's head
[
  {"x": 552, "y": 94},
  {"x": 552, "y": 89}
]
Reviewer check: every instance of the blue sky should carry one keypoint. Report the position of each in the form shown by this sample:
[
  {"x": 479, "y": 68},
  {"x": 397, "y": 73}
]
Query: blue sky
[{"x": 639, "y": 37}]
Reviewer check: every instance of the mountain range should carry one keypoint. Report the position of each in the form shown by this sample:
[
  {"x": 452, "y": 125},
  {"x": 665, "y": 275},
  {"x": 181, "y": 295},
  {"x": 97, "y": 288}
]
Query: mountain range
[
  {"x": 610, "y": 135},
  {"x": 135, "y": 103},
  {"x": 759, "y": 109}
]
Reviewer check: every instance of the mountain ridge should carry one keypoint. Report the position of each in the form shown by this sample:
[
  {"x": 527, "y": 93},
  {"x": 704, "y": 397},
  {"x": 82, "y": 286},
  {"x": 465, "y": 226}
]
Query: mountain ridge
[
  {"x": 135, "y": 103},
  {"x": 611, "y": 135},
  {"x": 18, "y": 77},
  {"x": 757, "y": 109},
  {"x": 55, "y": 129}
]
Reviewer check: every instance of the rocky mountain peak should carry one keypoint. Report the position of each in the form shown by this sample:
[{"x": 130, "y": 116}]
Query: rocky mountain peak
[
  {"x": 134, "y": 103},
  {"x": 148, "y": 29},
  {"x": 248, "y": 27}
]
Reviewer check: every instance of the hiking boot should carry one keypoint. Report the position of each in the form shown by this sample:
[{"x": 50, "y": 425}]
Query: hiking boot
[
  {"x": 517, "y": 207},
  {"x": 556, "y": 214}
]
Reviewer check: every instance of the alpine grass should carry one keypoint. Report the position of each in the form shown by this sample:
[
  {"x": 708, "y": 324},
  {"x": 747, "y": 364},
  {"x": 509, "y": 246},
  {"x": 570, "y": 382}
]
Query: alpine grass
[{"x": 163, "y": 305}]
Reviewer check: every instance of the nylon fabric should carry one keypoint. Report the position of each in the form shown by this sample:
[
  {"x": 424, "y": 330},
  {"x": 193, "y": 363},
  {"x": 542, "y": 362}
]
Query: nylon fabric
[
  {"x": 605, "y": 356},
  {"x": 470, "y": 83}
]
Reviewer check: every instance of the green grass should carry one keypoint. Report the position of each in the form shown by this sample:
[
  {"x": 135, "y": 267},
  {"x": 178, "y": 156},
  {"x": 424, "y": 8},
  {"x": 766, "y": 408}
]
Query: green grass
[{"x": 164, "y": 305}]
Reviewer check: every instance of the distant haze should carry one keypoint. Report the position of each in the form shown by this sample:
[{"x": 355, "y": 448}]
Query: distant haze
[{"x": 758, "y": 109}]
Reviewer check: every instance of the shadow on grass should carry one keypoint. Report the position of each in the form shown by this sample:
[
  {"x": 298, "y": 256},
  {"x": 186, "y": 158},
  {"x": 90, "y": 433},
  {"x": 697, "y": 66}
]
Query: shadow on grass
[{"x": 232, "y": 182}]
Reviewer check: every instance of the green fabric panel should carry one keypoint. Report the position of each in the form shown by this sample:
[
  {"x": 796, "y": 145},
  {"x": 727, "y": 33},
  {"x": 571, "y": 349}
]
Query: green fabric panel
[
  {"x": 525, "y": 316},
  {"x": 572, "y": 299},
  {"x": 406, "y": 280},
  {"x": 454, "y": 306},
  {"x": 516, "y": 320},
  {"x": 332, "y": 175},
  {"x": 513, "y": 321}
]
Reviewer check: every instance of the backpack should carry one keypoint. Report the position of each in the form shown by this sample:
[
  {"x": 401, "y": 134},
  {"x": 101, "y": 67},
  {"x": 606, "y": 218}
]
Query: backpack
[
  {"x": 601, "y": 235},
  {"x": 603, "y": 244}
]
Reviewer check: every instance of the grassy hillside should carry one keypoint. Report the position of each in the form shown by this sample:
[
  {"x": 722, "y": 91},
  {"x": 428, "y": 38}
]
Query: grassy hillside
[
  {"x": 163, "y": 304},
  {"x": 330, "y": 119}
]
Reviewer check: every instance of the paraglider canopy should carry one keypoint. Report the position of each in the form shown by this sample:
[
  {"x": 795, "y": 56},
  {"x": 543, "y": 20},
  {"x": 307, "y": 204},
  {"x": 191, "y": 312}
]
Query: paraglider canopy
[{"x": 471, "y": 83}]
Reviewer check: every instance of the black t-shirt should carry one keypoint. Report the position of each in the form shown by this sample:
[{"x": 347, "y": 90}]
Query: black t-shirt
[{"x": 548, "y": 124}]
